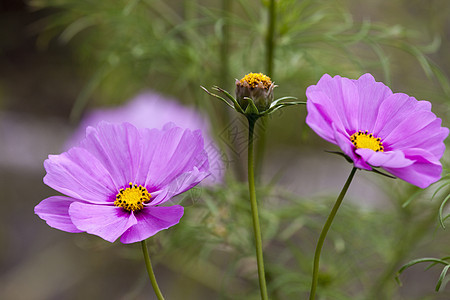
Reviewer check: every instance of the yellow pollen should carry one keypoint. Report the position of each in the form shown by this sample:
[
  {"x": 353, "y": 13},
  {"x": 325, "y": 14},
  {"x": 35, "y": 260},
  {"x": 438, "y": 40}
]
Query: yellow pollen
[
  {"x": 364, "y": 139},
  {"x": 132, "y": 198},
  {"x": 254, "y": 79}
]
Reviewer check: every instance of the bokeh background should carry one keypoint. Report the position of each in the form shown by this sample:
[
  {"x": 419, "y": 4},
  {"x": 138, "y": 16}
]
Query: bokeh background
[{"x": 59, "y": 59}]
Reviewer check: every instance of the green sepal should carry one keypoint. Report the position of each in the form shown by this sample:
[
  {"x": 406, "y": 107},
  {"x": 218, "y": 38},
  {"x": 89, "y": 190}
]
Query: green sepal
[
  {"x": 217, "y": 96},
  {"x": 347, "y": 158},
  {"x": 251, "y": 107},
  {"x": 281, "y": 105},
  {"x": 275, "y": 102},
  {"x": 228, "y": 95}
]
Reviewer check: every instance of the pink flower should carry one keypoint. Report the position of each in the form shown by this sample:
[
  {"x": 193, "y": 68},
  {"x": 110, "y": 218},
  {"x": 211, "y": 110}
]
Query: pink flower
[
  {"x": 377, "y": 128},
  {"x": 115, "y": 180},
  {"x": 150, "y": 110}
]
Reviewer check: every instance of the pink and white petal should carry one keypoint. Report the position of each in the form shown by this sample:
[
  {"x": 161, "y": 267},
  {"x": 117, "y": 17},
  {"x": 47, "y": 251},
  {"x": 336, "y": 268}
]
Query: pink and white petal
[
  {"x": 151, "y": 139},
  {"x": 326, "y": 106},
  {"x": 55, "y": 211},
  {"x": 179, "y": 185},
  {"x": 424, "y": 171},
  {"x": 371, "y": 95},
  {"x": 178, "y": 152},
  {"x": 429, "y": 138},
  {"x": 117, "y": 147},
  {"x": 105, "y": 221},
  {"x": 389, "y": 159},
  {"x": 319, "y": 121},
  {"x": 409, "y": 126},
  {"x": 78, "y": 174},
  {"x": 150, "y": 221},
  {"x": 394, "y": 109},
  {"x": 341, "y": 94}
]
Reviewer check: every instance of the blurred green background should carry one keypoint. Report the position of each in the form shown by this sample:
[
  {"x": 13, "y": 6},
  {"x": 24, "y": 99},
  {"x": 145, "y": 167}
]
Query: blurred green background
[{"x": 61, "y": 58}]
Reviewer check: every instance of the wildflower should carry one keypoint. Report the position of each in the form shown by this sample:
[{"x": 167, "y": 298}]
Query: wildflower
[
  {"x": 150, "y": 110},
  {"x": 255, "y": 87},
  {"x": 116, "y": 179},
  {"x": 377, "y": 128},
  {"x": 254, "y": 96}
]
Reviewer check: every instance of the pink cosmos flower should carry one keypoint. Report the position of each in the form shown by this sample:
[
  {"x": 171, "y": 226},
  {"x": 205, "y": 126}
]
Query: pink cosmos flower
[
  {"x": 151, "y": 110},
  {"x": 377, "y": 128},
  {"x": 118, "y": 176}
]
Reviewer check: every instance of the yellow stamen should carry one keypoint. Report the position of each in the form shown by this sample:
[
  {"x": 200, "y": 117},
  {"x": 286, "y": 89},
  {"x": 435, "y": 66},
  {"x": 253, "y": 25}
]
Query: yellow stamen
[
  {"x": 254, "y": 80},
  {"x": 132, "y": 198},
  {"x": 364, "y": 139}
]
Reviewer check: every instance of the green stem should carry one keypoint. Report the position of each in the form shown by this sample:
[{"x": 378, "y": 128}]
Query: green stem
[
  {"x": 254, "y": 206},
  {"x": 324, "y": 232},
  {"x": 151, "y": 275},
  {"x": 270, "y": 53},
  {"x": 270, "y": 41}
]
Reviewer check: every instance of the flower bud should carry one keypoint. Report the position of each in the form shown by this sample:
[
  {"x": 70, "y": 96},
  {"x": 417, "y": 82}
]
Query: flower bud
[{"x": 256, "y": 86}]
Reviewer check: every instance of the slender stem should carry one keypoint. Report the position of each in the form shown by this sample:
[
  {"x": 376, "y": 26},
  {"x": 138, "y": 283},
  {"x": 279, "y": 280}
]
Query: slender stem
[
  {"x": 270, "y": 40},
  {"x": 324, "y": 232},
  {"x": 151, "y": 275},
  {"x": 270, "y": 54},
  {"x": 254, "y": 206}
]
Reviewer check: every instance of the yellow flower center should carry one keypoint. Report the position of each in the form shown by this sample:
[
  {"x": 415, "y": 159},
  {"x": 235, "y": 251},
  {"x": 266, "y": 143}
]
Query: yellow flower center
[
  {"x": 254, "y": 79},
  {"x": 363, "y": 139},
  {"x": 132, "y": 198}
]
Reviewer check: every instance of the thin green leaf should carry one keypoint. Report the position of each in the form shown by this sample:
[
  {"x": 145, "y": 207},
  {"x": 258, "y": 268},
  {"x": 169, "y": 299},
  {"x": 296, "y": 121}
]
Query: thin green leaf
[
  {"x": 441, "y": 209},
  {"x": 417, "y": 261},
  {"x": 236, "y": 104},
  {"x": 217, "y": 96},
  {"x": 441, "y": 277}
]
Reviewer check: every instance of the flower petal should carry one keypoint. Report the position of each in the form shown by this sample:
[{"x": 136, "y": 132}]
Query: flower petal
[
  {"x": 430, "y": 138},
  {"x": 371, "y": 94},
  {"x": 55, "y": 211},
  {"x": 389, "y": 159},
  {"x": 117, "y": 147},
  {"x": 394, "y": 109},
  {"x": 179, "y": 185},
  {"x": 178, "y": 151},
  {"x": 152, "y": 220},
  {"x": 425, "y": 170},
  {"x": 339, "y": 99},
  {"x": 78, "y": 174},
  {"x": 108, "y": 222},
  {"x": 319, "y": 120}
]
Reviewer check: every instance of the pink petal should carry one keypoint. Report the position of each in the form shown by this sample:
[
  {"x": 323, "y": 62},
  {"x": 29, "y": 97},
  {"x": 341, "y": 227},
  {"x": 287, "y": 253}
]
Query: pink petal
[
  {"x": 78, "y": 174},
  {"x": 178, "y": 151},
  {"x": 371, "y": 94},
  {"x": 106, "y": 221},
  {"x": 339, "y": 94},
  {"x": 55, "y": 211},
  {"x": 117, "y": 147},
  {"x": 424, "y": 171},
  {"x": 389, "y": 159},
  {"x": 150, "y": 221},
  {"x": 179, "y": 185}
]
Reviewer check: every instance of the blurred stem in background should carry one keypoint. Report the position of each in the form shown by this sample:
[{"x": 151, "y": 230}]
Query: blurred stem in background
[
  {"x": 151, "y": 274},
  {"x": 324, "y": 232},
  {"x": 270, "y": 52},
  {"x": 407, "y": 238},
  {"x": 254, "y": 206}
]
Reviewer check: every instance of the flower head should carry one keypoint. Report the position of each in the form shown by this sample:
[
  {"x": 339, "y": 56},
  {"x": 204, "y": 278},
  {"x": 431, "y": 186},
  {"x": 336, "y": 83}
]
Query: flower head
[
  {"x": 150, "y": 110},
  {"x": 256, "y": 87},
  {"x": 377, "y": 128},
  {"x": 116, "y": 179}
]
